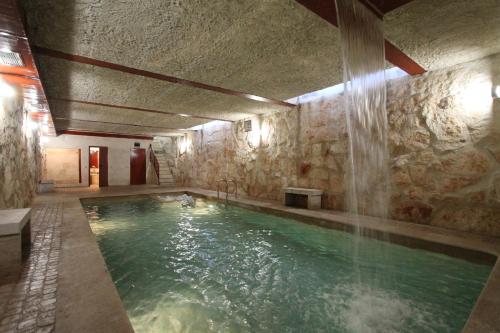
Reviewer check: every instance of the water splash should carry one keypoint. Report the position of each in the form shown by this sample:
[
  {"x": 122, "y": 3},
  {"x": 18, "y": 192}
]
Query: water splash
[{"x": 365, "y": 100}]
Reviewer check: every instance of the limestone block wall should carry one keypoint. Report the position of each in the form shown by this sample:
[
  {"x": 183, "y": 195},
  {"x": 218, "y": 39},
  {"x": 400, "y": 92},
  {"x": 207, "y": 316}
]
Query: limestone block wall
[
  {"x": 19, "y": 154},
  {"x": 444, "y": 141}
]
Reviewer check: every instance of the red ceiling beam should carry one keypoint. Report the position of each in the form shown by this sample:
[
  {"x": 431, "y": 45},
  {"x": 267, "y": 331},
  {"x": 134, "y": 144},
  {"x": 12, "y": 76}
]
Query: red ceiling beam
[
  {"x": 124, "y": 107},
  {"x": 396, "y": 57},
  {"x": 103, "y": 134},
  {"x": 386, "y": 6},
  {"x": 167, "y": 78},
  {"x": 326, "y": 10},
  {"x": 113, "y": 123},
  {"x": 13, "y": 39}
]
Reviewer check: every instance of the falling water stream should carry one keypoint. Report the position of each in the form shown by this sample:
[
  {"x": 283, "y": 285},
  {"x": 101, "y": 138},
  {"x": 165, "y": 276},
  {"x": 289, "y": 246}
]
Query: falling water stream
[
  {"x": 367, "y": 176},
  {"x": 365, "y": 99}
]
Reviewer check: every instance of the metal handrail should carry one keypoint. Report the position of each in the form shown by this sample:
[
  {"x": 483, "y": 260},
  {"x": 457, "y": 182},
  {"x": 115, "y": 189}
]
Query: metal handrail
[
  {"x": 227, "y": 181},
  {"x": 218, "y": 188},
  {"x": 235, "y": 187},
  {"x": 154, "y": 160}
]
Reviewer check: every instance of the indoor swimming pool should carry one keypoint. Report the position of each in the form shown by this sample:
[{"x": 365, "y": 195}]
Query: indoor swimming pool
[{"x": 212, "y": 268}]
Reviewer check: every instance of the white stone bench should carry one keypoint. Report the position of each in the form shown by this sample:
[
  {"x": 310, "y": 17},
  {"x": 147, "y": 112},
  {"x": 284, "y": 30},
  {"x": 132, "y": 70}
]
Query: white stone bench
[
  {"x": 302, "y": 197},
  {"x": 46, "y": 186},
  {"x": 15, "y": 242}
]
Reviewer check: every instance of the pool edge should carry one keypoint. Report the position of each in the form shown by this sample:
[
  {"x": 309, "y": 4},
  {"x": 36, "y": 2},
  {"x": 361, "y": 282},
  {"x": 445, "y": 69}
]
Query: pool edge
[
  {"x": 483, "y": 318},
  {"x": 87, "y": 299}
]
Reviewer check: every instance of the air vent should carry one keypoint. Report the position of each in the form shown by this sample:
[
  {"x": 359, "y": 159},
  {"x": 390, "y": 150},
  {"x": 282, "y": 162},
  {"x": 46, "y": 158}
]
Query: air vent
[
  {"x": 11, "y": 59},
  {"x": 247, "y": 125}
]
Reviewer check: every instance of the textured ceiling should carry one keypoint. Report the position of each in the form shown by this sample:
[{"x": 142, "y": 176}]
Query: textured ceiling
[
  {"x": 274, "y": 48},
  {"x": 438, "y": 34},
  {"x": 90, "y": 83}
]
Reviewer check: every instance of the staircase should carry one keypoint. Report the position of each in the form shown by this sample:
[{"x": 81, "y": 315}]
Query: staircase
[{"x": 166, "y": 177}]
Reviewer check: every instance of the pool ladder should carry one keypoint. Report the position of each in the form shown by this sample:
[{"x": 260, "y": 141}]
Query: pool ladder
[{"x": 227, "y": 181}]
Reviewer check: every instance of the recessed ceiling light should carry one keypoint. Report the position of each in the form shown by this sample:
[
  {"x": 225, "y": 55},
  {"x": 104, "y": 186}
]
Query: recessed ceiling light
[
  {"x": 12, "y": 59},
  {"x": 184, "y": 115}
]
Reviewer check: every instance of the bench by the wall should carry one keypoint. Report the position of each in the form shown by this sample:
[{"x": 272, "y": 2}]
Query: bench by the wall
[
  {"x": 302, "y": 197},
  {"x": 15, "y": 242}
]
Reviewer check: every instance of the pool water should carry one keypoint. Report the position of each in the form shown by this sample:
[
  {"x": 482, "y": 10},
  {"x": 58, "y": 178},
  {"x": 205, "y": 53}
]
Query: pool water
[{"x": 228, "y": 269}]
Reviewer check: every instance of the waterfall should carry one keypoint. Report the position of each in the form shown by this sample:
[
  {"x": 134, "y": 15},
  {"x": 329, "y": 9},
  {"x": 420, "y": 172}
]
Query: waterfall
[{"x": 363, "y": 56}]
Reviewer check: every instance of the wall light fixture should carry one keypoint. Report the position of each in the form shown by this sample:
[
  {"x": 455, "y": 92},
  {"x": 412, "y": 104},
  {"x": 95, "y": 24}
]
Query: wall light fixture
[
  {"x": 495, "y": 91},
  {"x": 6, "y": 90}
]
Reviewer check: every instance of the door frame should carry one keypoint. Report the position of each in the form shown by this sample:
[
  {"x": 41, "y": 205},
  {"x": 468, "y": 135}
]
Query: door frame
[
  {"x": 88, "y": 162},
  {"x": 145, "y": 165},
  {"x": 100, "y": 156}
]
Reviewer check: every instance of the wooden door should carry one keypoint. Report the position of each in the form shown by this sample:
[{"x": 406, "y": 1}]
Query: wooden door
[
  {"x": 103, "y": 166},
  {"x": 137, "y": 166}
]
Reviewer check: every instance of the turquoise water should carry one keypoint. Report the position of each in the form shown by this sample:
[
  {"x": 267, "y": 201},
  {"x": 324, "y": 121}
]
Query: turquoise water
[{"x": 217, "y": 269}]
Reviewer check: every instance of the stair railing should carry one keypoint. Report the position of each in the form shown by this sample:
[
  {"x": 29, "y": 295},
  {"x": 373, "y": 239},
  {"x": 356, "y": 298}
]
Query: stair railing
[{"x": 154, "y": 161}]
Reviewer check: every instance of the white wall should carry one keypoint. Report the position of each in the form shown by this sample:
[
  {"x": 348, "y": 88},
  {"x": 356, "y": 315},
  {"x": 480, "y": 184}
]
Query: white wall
[{"x": 118, "y": 154}]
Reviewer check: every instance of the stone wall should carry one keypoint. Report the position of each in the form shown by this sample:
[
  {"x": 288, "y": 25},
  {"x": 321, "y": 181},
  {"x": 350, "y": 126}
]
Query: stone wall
[
  {"x": 19, "y": 154},
  {"x": 444, "y": 141}
]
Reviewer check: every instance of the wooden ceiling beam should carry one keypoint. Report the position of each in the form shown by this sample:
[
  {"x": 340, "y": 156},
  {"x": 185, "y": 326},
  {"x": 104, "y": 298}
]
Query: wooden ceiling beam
[
  {"x": 386, "y": 6},
  {"x": 326, "y": 9},
  {"x": 140, "y": 72},
  {"x": 23, "y": 75},
  {"x": 114, "y": 123},
  {"x": 103, "y": 134},
  {"x": 124, "y": 107}
]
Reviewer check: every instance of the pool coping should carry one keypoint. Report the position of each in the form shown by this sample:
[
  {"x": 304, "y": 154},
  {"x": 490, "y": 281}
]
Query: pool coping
[{"x": 485, "y": 316}]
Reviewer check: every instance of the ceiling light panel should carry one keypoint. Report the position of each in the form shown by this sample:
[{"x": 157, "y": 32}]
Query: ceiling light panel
[{"x": 12, "y": 59}]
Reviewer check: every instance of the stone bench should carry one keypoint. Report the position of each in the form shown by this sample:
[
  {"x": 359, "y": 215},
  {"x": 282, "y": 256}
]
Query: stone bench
[
  {"x": 15, "y": 242},
  {"x": 302, "y": 197},
  {"x": 46, "y": 186}
]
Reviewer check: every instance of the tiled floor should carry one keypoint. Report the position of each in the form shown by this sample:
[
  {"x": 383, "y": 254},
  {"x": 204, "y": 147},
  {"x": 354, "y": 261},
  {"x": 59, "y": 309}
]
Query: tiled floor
[{"x": 31, "y": 305}]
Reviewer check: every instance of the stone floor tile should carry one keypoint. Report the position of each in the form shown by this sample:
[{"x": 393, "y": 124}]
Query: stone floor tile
[{"x": 31, "y": 303}]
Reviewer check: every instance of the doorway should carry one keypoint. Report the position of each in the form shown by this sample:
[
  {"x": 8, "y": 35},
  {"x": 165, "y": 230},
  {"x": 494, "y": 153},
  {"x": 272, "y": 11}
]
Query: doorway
[
  {"x": 98, "y": 166},
  {"x": 137, "y": 166}
]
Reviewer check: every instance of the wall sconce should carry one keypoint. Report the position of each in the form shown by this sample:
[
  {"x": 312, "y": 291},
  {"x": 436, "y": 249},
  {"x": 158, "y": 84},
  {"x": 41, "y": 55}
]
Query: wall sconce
[
  {"x": 33, "y": 125},
  {"x": 6, "y": 90},
  {"x": 253, "y": 136},
  {"x": 183, "y": 144},
  {"x": 495, "y": 91}
]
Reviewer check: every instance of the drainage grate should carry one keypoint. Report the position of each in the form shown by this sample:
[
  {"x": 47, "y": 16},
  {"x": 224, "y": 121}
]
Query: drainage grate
[{"x": 11, "y": 59}]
